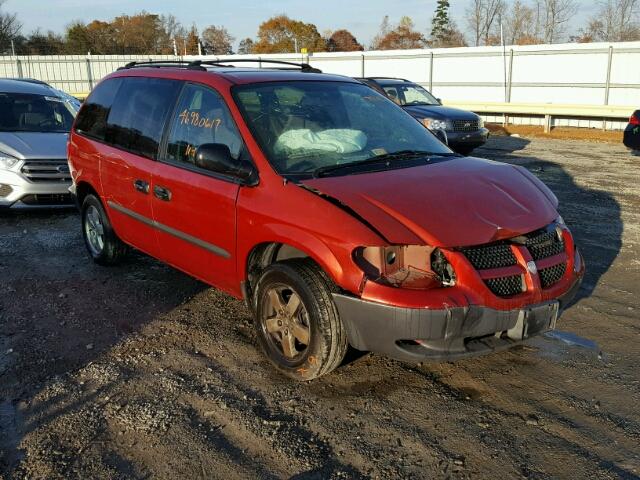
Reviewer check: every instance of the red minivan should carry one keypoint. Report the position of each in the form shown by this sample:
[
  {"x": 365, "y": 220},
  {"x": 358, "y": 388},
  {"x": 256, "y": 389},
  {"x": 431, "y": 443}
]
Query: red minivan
[{"x": 336, "y": 215}]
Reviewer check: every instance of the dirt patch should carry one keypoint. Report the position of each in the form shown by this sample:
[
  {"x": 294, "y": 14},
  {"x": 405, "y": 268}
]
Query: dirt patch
[
  {"x": 139, "y": 371},
  {"x": 559, "y": 133}
]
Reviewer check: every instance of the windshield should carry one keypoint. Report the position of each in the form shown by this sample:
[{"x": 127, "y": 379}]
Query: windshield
[
  {"x": 306, "y": 126},
  {"x": 20, "y": 112},
  {"x": 410, "y": 94}
]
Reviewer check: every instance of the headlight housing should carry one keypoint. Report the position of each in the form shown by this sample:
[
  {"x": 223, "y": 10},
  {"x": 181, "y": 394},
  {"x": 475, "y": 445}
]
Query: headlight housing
[
  {"x": 7, "y": 161},
  {"x": 480, "y": 122},
  {"x": 414, "y": 267},
  {"x": 434, "y": 124}
]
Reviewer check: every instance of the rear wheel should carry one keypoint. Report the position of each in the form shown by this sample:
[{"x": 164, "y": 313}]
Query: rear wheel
[
  {"x": 298, "y": 325},
  {"x": 101, "y": 241}
]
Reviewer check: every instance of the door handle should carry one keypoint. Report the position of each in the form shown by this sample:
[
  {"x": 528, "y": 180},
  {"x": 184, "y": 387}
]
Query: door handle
[
  {"x": 141, "y": 186},
  {"x": 162, "y": 193}
]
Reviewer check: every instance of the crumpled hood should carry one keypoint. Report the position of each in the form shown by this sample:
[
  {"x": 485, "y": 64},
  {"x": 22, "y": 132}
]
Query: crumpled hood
[
  {"x": 34, "y": 145},
  {"x": 456, "y": 202}
]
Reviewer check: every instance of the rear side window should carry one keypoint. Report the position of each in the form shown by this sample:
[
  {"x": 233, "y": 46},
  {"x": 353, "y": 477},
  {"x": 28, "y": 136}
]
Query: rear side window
[
  {"x": 139, "y": 113},
  {"x": 92, "y": 119}
]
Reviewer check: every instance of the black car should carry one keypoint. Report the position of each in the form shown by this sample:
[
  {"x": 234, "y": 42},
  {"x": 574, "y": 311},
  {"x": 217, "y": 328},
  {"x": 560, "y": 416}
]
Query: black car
[
  {"x": 632, "y": 133},
  {"x": 464, "y": 131}
]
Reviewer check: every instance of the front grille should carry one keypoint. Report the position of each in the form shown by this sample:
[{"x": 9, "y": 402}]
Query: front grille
[
  {"x": 39, "y": 171},
  {"x": 48, "y": 199},
  {"x": 544, "y": 244},
  {"x": 552, "y": 275},
  {"x": 506, "y": 286},
  {"x": 486, "y": 257},
  {"x": 466, "y": 125},
  {"x": 5, "y": 190},
  {"x": 541, "y": 244}
]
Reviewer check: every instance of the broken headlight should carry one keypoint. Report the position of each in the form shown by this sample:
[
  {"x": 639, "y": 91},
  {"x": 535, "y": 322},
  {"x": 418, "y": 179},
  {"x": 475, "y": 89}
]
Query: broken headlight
[{"x": 414, "y": 267}]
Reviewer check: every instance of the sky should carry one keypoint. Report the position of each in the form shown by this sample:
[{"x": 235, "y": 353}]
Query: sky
[{"x": 242, "y": 17}]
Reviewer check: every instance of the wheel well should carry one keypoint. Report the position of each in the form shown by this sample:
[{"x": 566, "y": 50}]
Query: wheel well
[
  {"x": 264, "y": 255},
  {"x": 82, "y": 190}
]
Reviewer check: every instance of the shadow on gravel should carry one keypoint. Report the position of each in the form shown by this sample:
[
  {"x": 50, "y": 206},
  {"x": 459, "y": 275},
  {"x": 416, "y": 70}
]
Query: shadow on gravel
[
  {"x": 594, "y": 216},
  {"x": 59, "y": 312}
]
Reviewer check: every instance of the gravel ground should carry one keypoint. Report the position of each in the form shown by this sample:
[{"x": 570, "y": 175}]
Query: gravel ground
[{"x": 139, "y": 371}]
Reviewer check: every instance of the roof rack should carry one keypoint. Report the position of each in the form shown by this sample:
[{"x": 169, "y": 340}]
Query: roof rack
[
  {"x": 200, "y": 64},
  {"x": 388, "y": 78}
]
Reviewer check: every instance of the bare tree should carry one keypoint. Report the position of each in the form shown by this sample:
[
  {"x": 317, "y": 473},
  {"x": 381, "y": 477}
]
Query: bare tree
[
  {"x": 483, "y": 18},
  {"x": 554, "y": 18},
  {"x": 520, "y": 24},
  {"x": 10, "y": 27},
  {"x": 616, "y": 21}
]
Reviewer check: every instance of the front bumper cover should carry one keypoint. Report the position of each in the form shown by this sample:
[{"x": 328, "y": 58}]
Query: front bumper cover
[{"x": 416, "y": 335}]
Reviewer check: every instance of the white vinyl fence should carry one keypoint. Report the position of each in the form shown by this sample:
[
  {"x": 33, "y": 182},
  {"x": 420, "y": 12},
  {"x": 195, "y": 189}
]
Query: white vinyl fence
[{"x": 487, "y": 78}]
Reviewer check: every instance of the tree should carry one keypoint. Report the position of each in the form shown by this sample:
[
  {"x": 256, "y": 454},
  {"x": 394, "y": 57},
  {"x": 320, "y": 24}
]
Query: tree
[
  {"x": 444, "y": 32},
  {"x": 191, "y": 42},
  {"x": 217, "y": 41},
  {"x": 440, "y": 23},
  {"x": 246, "y": 46},
  {"x": 383, "y": 31},
  {"x": 402, "y": 37},
  {"x": 10, "y": 28},
  {"x": 343, "y": 41},
  {"x": 483, "y": 19},
  {"x": 554, "y": 17},
  {"x": 281, "y": 34},
  {"x": 615, "y": 21},
  {"x": 39, "y": 43},
  {"x": 520, "y": 25}
]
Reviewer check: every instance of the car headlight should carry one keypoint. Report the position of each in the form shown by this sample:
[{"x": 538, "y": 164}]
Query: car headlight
[
  {"x": 433, "y": 124},
  {"x": 480, "y": 122},
  {"x": 7, "y": 161},
  {"x": 415, "y": 267}
]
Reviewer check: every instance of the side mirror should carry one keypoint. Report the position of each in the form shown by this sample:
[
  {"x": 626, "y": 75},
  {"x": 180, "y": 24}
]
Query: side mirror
[{"x": 216, "y": 157}]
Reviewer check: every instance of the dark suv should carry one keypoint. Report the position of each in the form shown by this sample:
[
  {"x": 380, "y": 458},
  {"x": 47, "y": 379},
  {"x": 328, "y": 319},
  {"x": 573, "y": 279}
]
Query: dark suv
[{"x": 464, "y": 131}]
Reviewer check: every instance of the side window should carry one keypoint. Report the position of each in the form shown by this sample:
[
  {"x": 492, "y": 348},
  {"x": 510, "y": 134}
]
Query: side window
[
  {"x": 139, "y": 113},
  {"x": 201, "y": 117},
  {"x": 92, "y": 118}
]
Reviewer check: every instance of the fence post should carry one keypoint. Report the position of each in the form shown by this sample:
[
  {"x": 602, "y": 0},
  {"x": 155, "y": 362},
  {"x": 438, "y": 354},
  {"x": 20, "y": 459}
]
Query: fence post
[
  {"x": 89, "y": 73},
  {"x": 19, "y": 67},
  {"x": 431, "y": 72},
  {"x": 362, "y": 65},
  {"x": 607, "y": 86},
  {"x": 510, "y": 76}
]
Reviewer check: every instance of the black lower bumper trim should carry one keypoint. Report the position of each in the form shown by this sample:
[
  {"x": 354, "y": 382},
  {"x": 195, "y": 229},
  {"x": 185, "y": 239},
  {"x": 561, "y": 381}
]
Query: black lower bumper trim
[{"x": 417, "y": 335}]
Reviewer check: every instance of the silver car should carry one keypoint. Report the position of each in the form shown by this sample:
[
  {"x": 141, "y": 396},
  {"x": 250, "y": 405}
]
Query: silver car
[{"x": 35, "y": 121}]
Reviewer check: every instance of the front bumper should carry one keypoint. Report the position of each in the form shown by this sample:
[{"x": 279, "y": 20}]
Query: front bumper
[
  {"x": 468, "y": 139},
  {"x": 419, "y": 334},
  {"x": 17, "y": 192}
]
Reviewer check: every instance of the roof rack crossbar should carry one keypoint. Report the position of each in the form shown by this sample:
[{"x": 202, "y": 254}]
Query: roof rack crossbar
[
  {"x": 199, "y": 64},
  {"x": 163, "y": 63},
  {"x": 305, "y": 67}
]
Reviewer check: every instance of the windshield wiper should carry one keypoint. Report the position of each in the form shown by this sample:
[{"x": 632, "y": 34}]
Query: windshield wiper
[{"x": 386, "y": 159}]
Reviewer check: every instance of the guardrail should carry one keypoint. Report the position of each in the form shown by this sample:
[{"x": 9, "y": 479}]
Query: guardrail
[{"x": 548, "y": 111}]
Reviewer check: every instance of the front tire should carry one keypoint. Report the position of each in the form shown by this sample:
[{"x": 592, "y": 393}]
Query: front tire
[
  {"x": 299, "y": 328},
  {"x": 101, "y": 241}
]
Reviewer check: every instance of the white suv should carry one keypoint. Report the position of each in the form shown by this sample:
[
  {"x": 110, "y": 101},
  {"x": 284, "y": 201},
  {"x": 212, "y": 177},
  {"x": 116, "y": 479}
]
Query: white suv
[{"x": 35, "y": 120}]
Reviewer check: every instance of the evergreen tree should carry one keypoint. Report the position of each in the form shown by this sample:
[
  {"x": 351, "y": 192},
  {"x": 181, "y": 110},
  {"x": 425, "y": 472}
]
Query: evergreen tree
[{"x": 441, "y": 24}]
